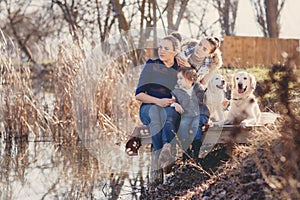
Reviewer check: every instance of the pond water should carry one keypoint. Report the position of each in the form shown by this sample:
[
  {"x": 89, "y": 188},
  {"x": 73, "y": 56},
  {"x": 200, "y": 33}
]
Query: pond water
[
  {"x": 45, "y": 170},
  {"x": 95, "y": 168},
  {"x": 41, "y": 168}
]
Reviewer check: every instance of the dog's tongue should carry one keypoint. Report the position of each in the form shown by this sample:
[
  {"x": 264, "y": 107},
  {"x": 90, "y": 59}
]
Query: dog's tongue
[
  {"x": 240, "y": 91},
  {"x": 220, "y": 86}
]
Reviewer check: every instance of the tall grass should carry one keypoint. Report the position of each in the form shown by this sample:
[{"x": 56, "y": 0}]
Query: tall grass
[
  {"x": 20, "y": 112},
  {"x": 86, "y": 90},
  {"x": 64, "y": 70}
]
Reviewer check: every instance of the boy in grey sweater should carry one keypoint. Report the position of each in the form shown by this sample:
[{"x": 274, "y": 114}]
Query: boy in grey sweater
[{"x": 194, "y": 113}]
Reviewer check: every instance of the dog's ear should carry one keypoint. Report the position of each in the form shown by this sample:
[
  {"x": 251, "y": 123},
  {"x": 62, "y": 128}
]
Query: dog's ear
[
  {"x": 210, "y": 84},
  {"x": 216, "y": 60},
  {"x": 233, "y": 78},
  {"x": 252, "y": 81}
]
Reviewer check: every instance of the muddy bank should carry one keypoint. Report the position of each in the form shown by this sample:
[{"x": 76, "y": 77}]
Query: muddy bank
[
  {"x": 259, "y": 170},
  {"x": 186, "y": 178}
]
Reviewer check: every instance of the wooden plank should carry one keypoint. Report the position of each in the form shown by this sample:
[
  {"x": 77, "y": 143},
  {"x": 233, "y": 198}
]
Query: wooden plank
[
  {"x": 259, "y": 55},
  {"x": 268, "y": 118},
  {"x": 237, "y": 50},
  {"x": 248, "y": 52},
  {"x": 216, "y": 135},
  {"x": 276, "y": 55},
  {"x": 226, "y": 49},
  {"x": 213, "y": 135},
  {"x": 222, "y": 134}
]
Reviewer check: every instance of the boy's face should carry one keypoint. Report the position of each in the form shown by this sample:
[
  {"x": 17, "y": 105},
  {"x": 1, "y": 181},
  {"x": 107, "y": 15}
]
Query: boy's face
[
  {"x": 183, "y": 83},
  {"x": 204, "y": 48}
]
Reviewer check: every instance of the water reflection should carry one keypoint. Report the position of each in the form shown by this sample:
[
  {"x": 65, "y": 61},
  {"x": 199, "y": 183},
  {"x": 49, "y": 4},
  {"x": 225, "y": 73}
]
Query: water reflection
[{"x": 44, "y": 170}]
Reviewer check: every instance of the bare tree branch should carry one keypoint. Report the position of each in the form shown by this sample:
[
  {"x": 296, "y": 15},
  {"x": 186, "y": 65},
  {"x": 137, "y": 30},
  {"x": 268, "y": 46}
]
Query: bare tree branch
[
  {"x": 182, "y": 10},
  {"x": 267, "y": 14},
  {"x": 227, "y": 10},
  {"x": 118, "y": 9},
  {"x": 180, "y": 14}
]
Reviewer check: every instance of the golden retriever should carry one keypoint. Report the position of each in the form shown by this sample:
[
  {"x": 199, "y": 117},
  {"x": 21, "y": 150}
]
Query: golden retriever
[
  {"x": 244, "y": 109},
  {"x": 215, "y": 96}
]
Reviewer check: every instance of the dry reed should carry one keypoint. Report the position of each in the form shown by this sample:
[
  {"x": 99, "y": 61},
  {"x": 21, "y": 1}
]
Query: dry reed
[
  {"x": 102, "y": 97},
  {"x": 21, "y": 114}
]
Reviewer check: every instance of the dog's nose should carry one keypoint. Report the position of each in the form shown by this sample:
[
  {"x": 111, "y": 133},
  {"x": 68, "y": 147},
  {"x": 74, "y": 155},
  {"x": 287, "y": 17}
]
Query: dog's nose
[
  {"x": 222, "y": 82},
  {"x": 240, "y": 85}
]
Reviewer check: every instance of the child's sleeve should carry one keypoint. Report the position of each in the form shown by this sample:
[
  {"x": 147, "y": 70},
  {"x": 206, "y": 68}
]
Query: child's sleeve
[{"x": 173, "y": 93}]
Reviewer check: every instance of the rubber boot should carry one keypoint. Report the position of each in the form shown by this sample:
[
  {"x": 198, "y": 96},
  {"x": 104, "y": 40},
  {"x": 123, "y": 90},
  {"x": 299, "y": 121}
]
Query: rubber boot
[
  {"x": 187, "y": 154},
  {"x": 196, "y": 149}
]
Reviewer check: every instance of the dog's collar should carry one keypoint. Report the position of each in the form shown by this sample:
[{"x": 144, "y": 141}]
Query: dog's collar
[
  {"x": 235, "y": 99},
  {"x": 195, "y": 67}
]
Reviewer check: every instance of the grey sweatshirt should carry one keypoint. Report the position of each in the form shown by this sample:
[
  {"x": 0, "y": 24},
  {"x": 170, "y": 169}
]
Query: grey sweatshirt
[{"x": 192, "y": 105}]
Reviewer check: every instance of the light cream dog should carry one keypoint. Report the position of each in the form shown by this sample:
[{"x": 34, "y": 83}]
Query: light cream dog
[
  {"x": 244, "y": 109},
  {"x": 215, "y": 96}
]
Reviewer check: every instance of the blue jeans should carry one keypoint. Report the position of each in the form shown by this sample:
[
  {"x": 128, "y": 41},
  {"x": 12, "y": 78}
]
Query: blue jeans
[
  {"x": 194, "y": 123},
  {"x": 162, "y": 122}
]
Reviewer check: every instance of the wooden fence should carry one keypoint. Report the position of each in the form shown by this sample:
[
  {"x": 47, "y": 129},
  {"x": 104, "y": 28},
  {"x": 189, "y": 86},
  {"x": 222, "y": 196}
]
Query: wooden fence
[
  {"x": 258, "y": 51},
  {"x": 240, "y": 51}
]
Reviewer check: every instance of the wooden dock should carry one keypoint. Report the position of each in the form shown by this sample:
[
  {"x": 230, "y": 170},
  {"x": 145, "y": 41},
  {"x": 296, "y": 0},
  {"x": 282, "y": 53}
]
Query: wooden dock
[{"x": 213, "y": 135}]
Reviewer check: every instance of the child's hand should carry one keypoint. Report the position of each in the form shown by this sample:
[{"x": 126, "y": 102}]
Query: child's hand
[
  {"x": 165, "y": 102},
  {"x": 178, "y": 108},
  {"x": 225, "y": 103},
  {"x": 182, "y": 62}
]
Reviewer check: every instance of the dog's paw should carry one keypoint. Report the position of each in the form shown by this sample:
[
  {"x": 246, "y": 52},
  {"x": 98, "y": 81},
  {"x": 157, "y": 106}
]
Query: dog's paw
[
  {"x": 219, "y": 123},
  {"x": 244, "y": 124},
  {"x": 210, "y": 123},
  {"x": 227, "y": 121},
  {"x": 248, "y": 122}
]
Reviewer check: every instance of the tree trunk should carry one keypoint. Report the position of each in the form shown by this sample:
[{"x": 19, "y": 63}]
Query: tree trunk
[
  {"x": 227, "y": 11},
  {"x": 170, "y": 14},
  {"x": 272, "y": 18},
  {"x": 170, "y": 10},
  {"x": 268, "y": 16}
]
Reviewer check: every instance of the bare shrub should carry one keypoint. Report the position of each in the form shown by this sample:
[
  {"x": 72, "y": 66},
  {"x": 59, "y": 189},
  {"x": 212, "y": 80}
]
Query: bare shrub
[{"x": 70, "y": 58}]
